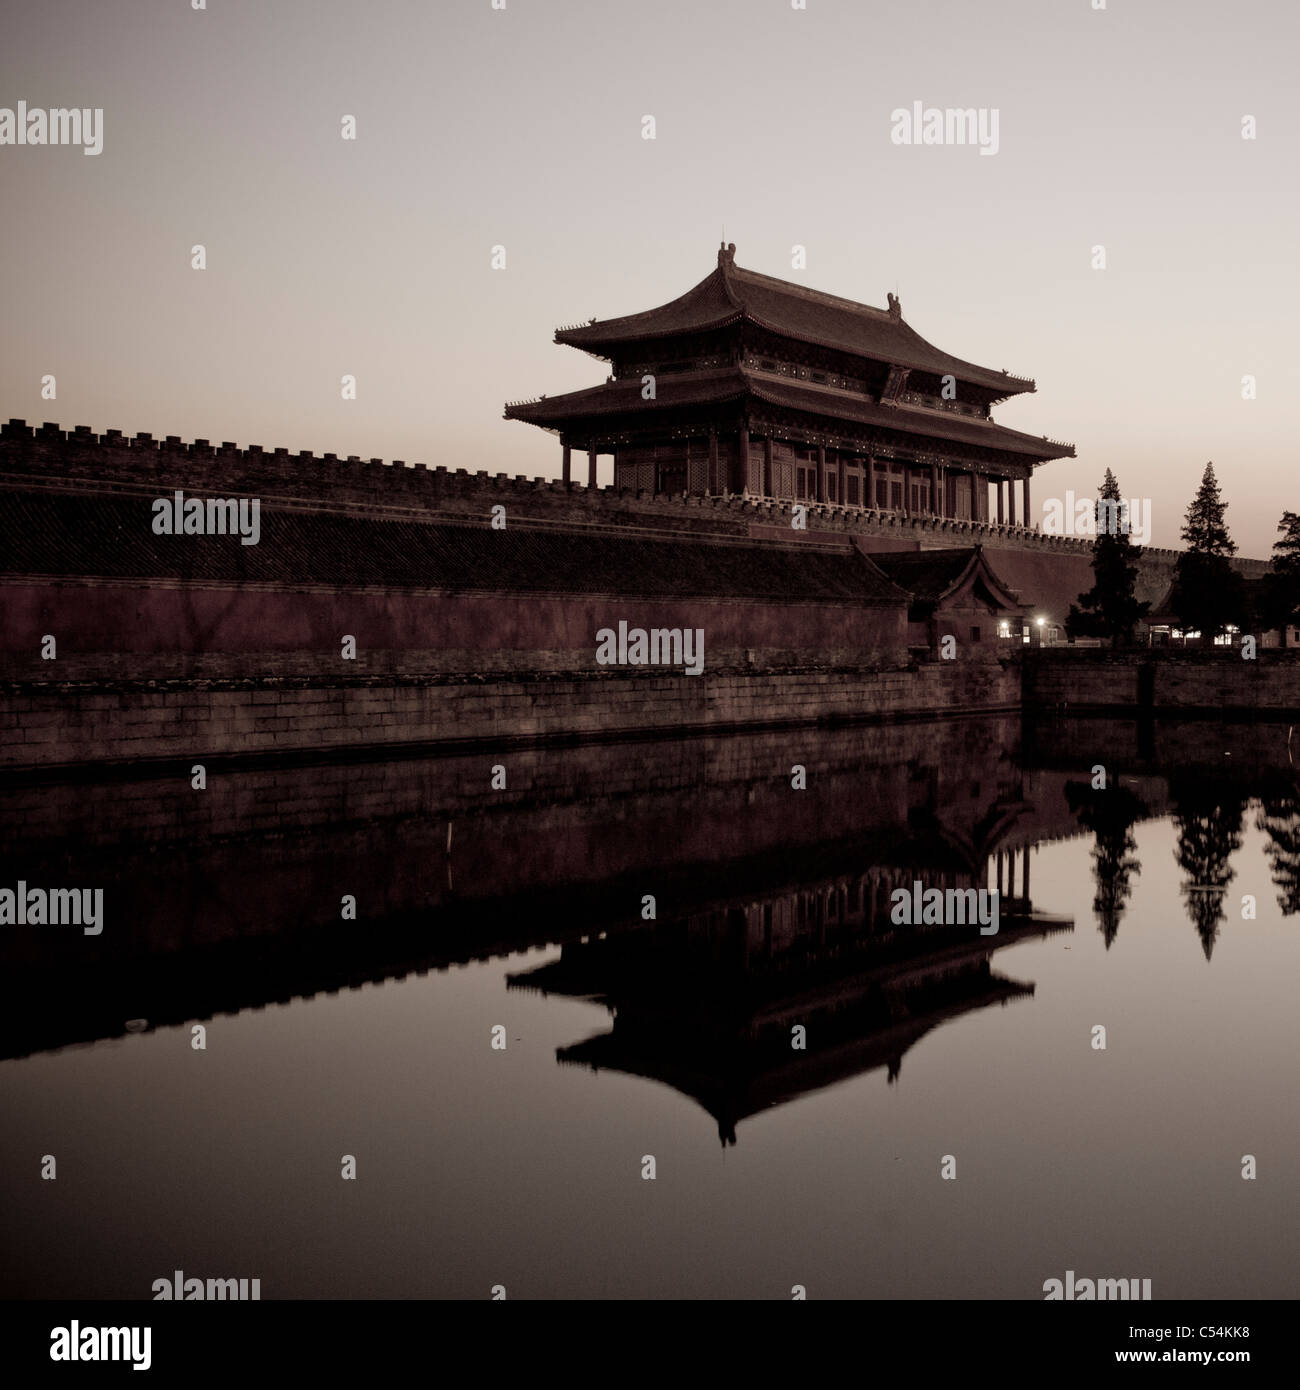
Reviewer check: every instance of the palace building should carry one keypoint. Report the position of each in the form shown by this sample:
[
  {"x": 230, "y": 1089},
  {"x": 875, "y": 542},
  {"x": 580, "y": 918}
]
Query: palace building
[{"x": 752, "y": 386}]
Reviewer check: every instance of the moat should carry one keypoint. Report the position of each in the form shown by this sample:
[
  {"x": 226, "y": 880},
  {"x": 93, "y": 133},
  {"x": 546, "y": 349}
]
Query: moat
[{"x": 500, "y": 1037}]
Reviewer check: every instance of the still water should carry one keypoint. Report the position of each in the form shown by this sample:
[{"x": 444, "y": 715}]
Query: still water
[{"x": 1164, "y": 909}]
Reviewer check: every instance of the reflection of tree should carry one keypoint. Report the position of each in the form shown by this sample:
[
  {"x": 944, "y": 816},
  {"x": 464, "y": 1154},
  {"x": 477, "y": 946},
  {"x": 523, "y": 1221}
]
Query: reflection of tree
[
  {"x": 1279, "y": 818},
  {"x": 1208, "y": 820},
  {"x": 1110, "y": 815}
]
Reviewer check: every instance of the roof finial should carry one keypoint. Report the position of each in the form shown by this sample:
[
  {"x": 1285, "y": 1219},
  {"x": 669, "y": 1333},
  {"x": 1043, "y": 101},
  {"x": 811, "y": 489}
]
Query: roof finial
[
  {"x": 727, "y": 253},
  {"x": 895, "y": 308}
]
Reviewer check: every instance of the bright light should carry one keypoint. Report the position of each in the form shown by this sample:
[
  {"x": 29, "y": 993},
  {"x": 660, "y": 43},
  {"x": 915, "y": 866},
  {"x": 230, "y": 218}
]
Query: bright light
[{"x": 1041, "y": 621}]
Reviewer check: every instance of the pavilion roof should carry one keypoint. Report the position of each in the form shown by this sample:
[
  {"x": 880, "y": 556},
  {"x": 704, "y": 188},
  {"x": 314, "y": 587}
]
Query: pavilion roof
[
  {"x": 722, "y": 385},
  {"x": 930, "y": 576},
  {"x": 790, "y": 310}
]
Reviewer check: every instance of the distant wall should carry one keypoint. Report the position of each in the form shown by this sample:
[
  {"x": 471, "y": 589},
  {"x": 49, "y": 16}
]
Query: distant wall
[{"x": 1218, "y": 680}]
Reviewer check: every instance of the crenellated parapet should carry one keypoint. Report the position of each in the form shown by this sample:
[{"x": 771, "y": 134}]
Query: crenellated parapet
[{"x": 79, "y": 459}]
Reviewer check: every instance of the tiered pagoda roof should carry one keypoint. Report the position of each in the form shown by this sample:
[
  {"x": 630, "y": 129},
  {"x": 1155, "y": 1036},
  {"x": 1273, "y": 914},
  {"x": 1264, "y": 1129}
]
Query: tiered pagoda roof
[
  {"x": 615, "y": 399},
  {"x": 744, "y": 349},
  {"x": 732, "y": 293}
]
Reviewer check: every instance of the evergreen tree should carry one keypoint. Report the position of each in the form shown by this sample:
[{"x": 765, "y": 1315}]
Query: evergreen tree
[
  {"x": 1110, "y": 815},
  {"x": 1280, "y": 589},
  {"x": 1110, "y": 608},
  {"x": 1208, "y": 818},
  {"x": 1208, "y": 593},
  {"x": 1279, "y": 818}
]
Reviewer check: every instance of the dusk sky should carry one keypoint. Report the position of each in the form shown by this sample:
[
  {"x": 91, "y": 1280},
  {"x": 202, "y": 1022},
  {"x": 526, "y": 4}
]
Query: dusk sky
[{"x": 522, "y": 127}]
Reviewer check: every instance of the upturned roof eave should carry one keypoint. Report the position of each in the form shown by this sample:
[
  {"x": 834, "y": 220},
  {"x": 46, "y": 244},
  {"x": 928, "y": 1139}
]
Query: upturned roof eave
[
  {"x": 602, "y": 347},
  {"x": 899, "y": 595},
  {"x": 737, "y": 385},
  {"x": 1004, "y": 437},
  {"x": 566, "y": 337},
  {"x": 978, "y": 565}
]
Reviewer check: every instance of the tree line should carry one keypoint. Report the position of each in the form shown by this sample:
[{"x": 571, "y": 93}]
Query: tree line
[{"x": 1209, "y": 596}]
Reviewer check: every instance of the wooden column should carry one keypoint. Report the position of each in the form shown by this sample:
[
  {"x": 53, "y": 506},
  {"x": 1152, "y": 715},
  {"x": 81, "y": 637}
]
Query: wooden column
[
  {"x": 978, "y": 503},
  {"x": 934, "y": 489},
  {"x": 1027, "y": 520},
  {"x": 1011, "y": 501},
  {"x": 742, "y": 461},
  {"x": 1001, "y": 519},
  {"x": 567, "y": 473},
  {"x": 713, "y": 461},
  {"x": 768, "y": 489},
  {"x": 907, "y": 490},
  {"x": 821, "y": 472},
  {"x": 841, "y": 484},
  {"x": 591, "y": 467}
]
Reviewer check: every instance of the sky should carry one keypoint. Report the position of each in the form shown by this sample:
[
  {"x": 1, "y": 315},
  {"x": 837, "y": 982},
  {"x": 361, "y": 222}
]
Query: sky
[{"x": 522, "y": 127}]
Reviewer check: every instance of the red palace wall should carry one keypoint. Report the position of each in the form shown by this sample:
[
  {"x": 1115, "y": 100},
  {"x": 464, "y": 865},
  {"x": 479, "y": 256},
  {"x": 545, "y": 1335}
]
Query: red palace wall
[{"x": 159, "y": 631}]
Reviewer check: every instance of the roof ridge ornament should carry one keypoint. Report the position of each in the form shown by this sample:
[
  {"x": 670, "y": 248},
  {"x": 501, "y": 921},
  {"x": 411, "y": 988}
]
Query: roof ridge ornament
[
  {"x": 726, "y": 254},
  {"x": 895, "y": 306}
]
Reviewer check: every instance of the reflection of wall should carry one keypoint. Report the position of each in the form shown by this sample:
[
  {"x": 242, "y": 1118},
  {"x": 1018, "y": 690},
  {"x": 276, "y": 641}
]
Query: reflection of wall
[
  {"x": 213, "y": 900},
  {"x": 1152, "y": 748},
  {"x": 853, "y": 774}
]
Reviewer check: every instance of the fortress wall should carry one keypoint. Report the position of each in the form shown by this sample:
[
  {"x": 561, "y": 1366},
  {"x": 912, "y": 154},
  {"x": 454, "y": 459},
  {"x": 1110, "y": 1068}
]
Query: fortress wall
[
  {"x": 80, "y": 458},
  {"x": 764, "y": 661},
  {"x": 167, "y": 630},
  {"x": 43, "y": 725},
  {"x": 1206, "y": 681}
]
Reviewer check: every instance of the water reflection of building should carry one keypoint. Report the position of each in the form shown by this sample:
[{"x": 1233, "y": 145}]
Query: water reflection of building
[
  {"x": 208, "y": 913},
  {"x": 712, "y": 1004}
]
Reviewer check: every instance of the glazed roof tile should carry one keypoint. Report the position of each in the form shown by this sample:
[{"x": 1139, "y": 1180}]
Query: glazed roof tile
[
  {"x": 110, "y": 536},
  {"x": 719, "y": 386},
  {"x": 790, "y": 310}
]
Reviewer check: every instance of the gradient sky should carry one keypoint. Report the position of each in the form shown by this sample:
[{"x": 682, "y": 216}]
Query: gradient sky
[{"x": 522, "y": 127}]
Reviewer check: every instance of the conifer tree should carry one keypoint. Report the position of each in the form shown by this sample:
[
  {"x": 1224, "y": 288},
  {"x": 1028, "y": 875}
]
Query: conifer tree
[
  {"x": 1208, "y": 594},
  {"x": 1280, "y": 589},
  {"x": 1110, "y": 608}
]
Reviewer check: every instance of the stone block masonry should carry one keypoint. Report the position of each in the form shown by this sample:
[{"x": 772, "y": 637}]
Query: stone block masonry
[
  {"x": 203, "y": 652},
  {"x": 62, "y": 726},
  {"x": 50, "y": 456},
  {"x": 1194, "y": 681}
]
